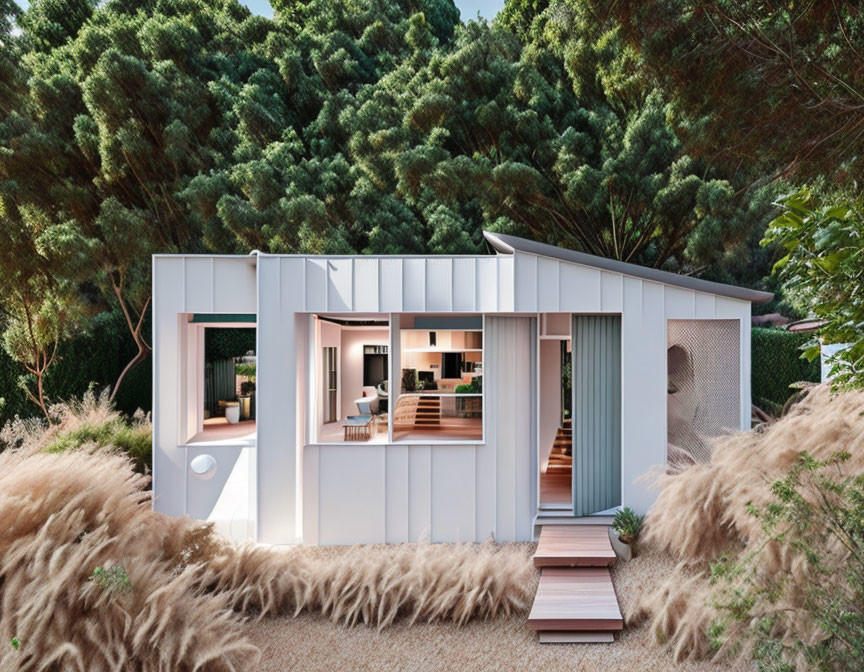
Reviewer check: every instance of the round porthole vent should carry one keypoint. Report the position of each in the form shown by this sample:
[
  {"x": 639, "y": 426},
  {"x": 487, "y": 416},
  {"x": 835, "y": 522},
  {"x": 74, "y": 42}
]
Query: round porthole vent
[{"x": 203, "y": 466}]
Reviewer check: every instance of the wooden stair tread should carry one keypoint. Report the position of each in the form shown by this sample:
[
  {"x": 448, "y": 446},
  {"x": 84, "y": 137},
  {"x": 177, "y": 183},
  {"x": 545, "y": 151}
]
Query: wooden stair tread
[
  {"x": 575, "y": 600},
  {"x": 568, "y": 637},
  {"x": 574, "y": 546}
]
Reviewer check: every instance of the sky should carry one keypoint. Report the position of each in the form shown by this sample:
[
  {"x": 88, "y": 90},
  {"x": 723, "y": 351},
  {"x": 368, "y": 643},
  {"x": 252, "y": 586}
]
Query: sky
[{"x": 468, "y": 8}]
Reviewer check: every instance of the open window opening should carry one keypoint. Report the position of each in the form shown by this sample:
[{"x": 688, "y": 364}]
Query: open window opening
[
  {"x": 219, "y": 376},
  {"x": 440, "y": 394},
  {"x": 352, "y": 355}
]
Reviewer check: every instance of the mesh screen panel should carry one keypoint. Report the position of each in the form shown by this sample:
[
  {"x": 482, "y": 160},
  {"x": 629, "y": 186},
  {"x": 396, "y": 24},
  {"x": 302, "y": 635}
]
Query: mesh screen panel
[{"x": 703, "y": 387}]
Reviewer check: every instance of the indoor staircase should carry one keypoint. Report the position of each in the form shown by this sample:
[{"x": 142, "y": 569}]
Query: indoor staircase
[
  {"x": 561, "y": 455},
  {"x": 428, "y": 412},
  {"x": 575, "y": 600}
]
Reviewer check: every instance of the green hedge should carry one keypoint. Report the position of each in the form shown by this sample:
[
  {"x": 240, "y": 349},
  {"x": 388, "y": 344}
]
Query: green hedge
[
  {"x": 776, "y": 364},
  {"x": 97, "y": 356}
]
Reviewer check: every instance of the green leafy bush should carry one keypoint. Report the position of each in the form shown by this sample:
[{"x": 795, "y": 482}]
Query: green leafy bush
[
  {"x": 816, "y": 525},
  {"x": 134, "y": 439},
  {"x": 776, "y": 358}
]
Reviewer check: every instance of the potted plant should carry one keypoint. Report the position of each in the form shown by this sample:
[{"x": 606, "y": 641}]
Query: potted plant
[{"x": 625, "y": 532}]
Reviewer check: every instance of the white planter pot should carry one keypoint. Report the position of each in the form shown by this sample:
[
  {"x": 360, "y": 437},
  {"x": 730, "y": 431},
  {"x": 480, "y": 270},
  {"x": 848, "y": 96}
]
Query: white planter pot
[
  {"x": 622, "y": 550},
  {"x": 232, "y": 413}
]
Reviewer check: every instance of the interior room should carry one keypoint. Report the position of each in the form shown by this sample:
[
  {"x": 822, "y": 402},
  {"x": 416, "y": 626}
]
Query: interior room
[
  {"x": 555, "y": 443},
  {"x": 441, "y": 387},
  {"x": 227, "y": 381},
  {"x": 353, "y": 362}
]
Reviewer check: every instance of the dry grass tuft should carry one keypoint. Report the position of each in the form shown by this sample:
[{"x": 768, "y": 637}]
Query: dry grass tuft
[
  {"x": 92, "y": 579},
  {"x": 703, "y": 513},
  {"x": 376, "y": 585}
]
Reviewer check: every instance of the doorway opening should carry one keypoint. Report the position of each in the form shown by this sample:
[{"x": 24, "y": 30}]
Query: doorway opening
[{"x": 555, "y": 427}]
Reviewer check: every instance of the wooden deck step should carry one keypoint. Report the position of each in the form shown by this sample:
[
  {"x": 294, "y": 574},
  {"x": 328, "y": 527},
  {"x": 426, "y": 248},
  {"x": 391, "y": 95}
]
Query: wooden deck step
[
  {"x": 575, "y": 600},
  {"x": 574, "y": 546},
  {"x": 566, "y": 637}
]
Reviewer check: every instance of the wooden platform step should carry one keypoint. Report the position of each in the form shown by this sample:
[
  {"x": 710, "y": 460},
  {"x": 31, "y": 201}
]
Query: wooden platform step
[
  {"x": 566, "y": 637},
  {"x": 574, "y": 546},
  {"x": 575, "y": 600}
]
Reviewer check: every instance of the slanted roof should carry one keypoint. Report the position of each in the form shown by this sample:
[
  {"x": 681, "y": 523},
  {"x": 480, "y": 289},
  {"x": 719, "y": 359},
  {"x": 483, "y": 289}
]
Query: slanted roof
[{"x": 504, "y": 244}]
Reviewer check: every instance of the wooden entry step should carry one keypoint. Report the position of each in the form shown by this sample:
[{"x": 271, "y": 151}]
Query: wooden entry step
[
  {"x": 574, "y": 546},
  {"x": 575, "y": 600}
]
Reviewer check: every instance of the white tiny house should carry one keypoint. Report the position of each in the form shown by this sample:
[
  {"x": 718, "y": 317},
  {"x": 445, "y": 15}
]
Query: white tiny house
[{"x": 389, "y": 398}]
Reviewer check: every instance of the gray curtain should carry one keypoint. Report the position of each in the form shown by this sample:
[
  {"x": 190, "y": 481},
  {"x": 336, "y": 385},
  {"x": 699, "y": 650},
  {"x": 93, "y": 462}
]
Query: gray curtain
[
  {"x": 219, "y": 383},
  {"x": 596, "y": 371}
]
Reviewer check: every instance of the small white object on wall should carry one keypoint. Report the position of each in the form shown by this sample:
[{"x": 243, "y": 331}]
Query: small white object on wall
[{"x": 203, "y": 467}]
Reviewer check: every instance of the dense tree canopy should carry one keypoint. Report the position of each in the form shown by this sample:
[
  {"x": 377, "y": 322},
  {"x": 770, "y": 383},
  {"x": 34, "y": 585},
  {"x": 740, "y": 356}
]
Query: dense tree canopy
[
  {"x": 777, "y": 85},
  {"x": 382, "y": 126}
]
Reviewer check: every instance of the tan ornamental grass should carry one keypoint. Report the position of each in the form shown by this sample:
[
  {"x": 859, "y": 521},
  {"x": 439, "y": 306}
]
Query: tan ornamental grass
[
  {"x": 703, "y": 514},
  {"x": 92, "y": 579}
]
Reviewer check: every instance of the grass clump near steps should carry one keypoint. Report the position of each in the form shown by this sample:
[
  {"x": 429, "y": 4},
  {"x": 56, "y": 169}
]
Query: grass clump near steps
[
  {"x": 769, "y": 539},
  {"x": 91, "y": 578}
]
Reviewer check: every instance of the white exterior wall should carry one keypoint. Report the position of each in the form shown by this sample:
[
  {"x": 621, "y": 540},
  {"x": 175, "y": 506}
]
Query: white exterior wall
[
  {"x": 183, "y": 285},
  {"x": 403, "y": 492},
  {"x": 550, "y": 285},
  {"x": 354, "y": 493}
]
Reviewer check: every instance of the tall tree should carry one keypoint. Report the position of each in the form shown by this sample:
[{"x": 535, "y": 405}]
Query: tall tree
[{"x": 779, "y": 85}]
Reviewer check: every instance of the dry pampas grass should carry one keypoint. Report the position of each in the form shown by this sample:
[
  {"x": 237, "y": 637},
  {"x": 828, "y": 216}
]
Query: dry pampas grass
[
  {"x": 92, "y": 579},
  {"x": 703, "y": 514}
]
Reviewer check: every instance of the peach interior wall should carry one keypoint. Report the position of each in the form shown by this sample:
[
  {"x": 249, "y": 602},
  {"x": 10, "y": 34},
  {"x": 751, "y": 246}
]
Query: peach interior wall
[{"x": 351, "y": 359}]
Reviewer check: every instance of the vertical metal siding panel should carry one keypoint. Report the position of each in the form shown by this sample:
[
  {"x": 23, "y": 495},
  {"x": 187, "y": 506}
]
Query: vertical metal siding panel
[
  {"x": 390, "y": 285},
  {"x": 704, "y": 305},
  {"x": 439, "y": 285},
  {"x": 234, "y": 288},
  {"x": 352, "y": 506},
  {"x": 316, "y": 285},
  {"x": 169, "y": 466},
  {"x": 397, "y": 494},
  {"x": 487, "y": 284},
  {"x": 365, "y": 285},
  {"x": 453, "y": 493},
  {"x": 339, "y": 281},
  {"x": 525, "y": 282},
  {"x": 506, "y": 288},
  {"x": 579, "y": 288},
  {"x": 679, "y": 303},
  {"x": 414, "y": 285},
  {"x": 198, "y": 284},
  {"x": 611, "y": 292},
  {"x": 311, "y": 477},
  {"x": 547, "y": 285},
  {"x": 464, "y": 284},
  {"x": 419, "y": 492},
  {"x": 643, "y": 371},
  {"x": 277, "y": 399}
]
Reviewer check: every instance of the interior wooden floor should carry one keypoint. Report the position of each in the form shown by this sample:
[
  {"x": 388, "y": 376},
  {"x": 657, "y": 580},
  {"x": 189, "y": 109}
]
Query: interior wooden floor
[{"x": 219, "y": 430}]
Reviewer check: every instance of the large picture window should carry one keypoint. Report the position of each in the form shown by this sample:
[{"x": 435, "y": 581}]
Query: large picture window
[
  {"x": 441, "y": 387},
  {"x": 352, "y": 382}
]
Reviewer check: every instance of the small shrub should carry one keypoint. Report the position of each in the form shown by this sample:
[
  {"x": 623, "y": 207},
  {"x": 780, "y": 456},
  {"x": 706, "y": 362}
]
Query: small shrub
[
  {"x": 113, "y": 578},
  {"x": 627, "y": 524},
  {"x": 15, "y": 643},
  {"x": 135, "y": 440}
]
